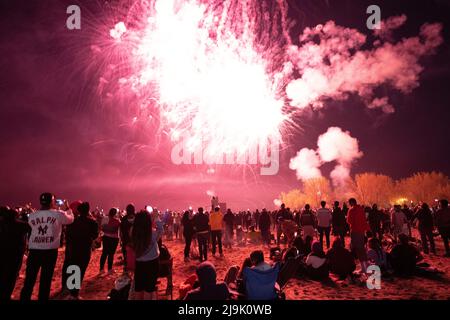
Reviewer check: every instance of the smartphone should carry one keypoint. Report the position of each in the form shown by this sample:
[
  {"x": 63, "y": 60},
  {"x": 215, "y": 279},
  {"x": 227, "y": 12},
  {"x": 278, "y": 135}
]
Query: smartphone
[{"x": 59, "y": 202}]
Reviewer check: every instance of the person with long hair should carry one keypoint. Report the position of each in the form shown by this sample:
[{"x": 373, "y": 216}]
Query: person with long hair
[
  {"x": 145, "y": 244},
  {"x": 110, "y": 227}
]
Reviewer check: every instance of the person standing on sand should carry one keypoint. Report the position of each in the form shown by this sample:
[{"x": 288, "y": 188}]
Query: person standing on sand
[
  {"x": 110, "y": 228},
  {"x": 126, "y": 223},
  {"x": 308, "y": 222},
  {"x": 80, "y": 236},
  {"x": 324, "y": 219},
  {"x": 264, "y": 226},
  {"x": 188, "y": 233},
  {"x": 145, "y": 244},
  {"x": 443, "y": 224},
  {"x": 356, "y": 219},
  {"x": 425, "y": 218},
  {"x": 338, "y": 222},
  {"x": 228, "y": 220},
  {"x": 13, "y": 239},
  {"x": 216, "y": 221},
  {"x": 46, "y": 225},
  {"x": 201, "y": 227}
]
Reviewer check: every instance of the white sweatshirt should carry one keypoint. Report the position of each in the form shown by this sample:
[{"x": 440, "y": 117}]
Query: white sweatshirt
[
  {"x": 324, "y": 217},
  {"x": 46, "y": 226}
]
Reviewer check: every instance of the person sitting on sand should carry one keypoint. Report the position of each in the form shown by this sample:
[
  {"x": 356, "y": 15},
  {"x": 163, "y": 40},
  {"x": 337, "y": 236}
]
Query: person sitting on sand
[
  {"x": 376, "y": 255},
  {"x": 316, "y": 263},
  {"x": 253, "y": 236},
  {"x": 404, "y": 257},
  {"x": 340, "y": 260},
  {"x": 261, "y": 278},
  {"x": 234, "y": 277},
  {"x": 299, "y": 244},
  {"x": 208, "y": 288}
]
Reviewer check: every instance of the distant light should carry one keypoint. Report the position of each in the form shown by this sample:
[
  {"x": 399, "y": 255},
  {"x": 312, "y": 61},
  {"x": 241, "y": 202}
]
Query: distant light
[{"x": 149, "y": 209}]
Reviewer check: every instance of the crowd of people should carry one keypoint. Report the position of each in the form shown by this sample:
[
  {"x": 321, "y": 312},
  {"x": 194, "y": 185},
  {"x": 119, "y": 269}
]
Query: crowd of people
[{"x": 381, "y": 237}]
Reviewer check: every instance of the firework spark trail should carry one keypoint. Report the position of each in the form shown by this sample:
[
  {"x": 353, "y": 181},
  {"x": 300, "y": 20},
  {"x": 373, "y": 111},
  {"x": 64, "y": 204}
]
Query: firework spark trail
[{"x": 223, "y": 72}]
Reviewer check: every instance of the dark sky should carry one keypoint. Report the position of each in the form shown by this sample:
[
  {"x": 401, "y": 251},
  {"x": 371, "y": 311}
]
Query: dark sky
[{"x": 57, "y": 136}]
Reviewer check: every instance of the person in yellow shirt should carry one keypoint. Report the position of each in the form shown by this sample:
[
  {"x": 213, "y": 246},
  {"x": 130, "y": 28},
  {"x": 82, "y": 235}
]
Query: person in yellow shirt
[{"x": 215, "y": 221}]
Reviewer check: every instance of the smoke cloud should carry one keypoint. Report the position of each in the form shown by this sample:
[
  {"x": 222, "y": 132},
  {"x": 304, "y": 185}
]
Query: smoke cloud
[
  {"x": 306, "y": 164},
  {"x": 333, "y": 65},
  {"x": 334, "y": 145}
]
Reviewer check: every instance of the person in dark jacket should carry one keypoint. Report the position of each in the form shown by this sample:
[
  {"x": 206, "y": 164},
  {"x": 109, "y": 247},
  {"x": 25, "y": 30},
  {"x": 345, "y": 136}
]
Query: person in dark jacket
[
  {"x": 425, "y": 227},
  {"x": 443, "y": 224},
  {"x": 188, "y": 233},
  {"x": 208, "y": 288},
  {"x": 264, "y": 226},
  {"x": 338, "y": 222},
  {"x": 228, "y": 220},
  {"x": 340, "y": 260},
  {"x": 374, "y": 219},
  {"x": 257, "y": 214},
  {"x": 201, "y": 228},
  {"x": 126, "y": 223},
  {"x": 13, "y": 234},
  {"x": 79, "y": 238},
  {"x": 404, "y": 257}
]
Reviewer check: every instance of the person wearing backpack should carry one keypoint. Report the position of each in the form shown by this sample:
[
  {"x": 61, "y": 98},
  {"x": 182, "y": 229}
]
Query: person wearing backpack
[{"x": 307, "y": 222}]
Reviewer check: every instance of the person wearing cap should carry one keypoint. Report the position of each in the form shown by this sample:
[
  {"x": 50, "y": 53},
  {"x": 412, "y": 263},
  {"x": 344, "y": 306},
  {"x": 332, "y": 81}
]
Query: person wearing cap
[
  {"x": 216, "y": 221},
  {"x": 208, "y": 288},
  {"x": 46, "y": 225}
]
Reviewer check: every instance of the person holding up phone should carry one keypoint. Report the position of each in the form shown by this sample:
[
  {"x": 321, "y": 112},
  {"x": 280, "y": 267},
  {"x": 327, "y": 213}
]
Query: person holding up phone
[{"x": 46, "y": 225}]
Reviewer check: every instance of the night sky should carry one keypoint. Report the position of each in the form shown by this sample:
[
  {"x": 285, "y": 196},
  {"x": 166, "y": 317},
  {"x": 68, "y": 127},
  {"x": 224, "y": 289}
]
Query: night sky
[{"x": 57, "y": 136}]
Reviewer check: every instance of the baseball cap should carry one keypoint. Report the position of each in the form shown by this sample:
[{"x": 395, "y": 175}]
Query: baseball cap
[{"x": 46, "y": 199}]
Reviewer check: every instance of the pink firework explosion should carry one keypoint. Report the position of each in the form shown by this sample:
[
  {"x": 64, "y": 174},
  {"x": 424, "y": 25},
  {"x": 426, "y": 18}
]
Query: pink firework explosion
[
  {"x": 209, "y": 68},
  {"x": 225, "y": 77}
]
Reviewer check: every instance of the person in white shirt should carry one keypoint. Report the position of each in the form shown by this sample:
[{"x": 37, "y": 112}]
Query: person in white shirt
[
  {"x": 324, "y": 219},
  {"x": 399, "y": 221},
  {"x": 46, "y": 226}
]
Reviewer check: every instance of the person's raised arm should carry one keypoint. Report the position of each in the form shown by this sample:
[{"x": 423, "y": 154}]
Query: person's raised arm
[{"x": 67, "y": 216}]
